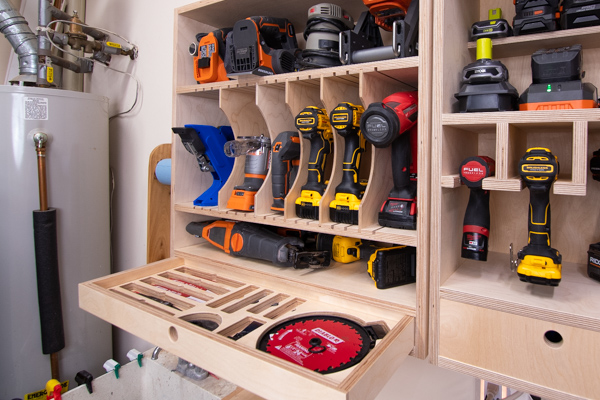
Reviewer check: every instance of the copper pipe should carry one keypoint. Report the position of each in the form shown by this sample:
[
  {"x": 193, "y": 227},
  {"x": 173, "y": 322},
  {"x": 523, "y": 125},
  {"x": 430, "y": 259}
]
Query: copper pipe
[
  {"x": 54, "y": 366},
  {"x": 40, "y": 139}
]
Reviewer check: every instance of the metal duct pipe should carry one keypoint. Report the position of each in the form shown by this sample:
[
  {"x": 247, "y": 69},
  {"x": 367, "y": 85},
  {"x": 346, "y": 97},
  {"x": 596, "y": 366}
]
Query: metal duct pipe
[{"x": 16, "y": 30}]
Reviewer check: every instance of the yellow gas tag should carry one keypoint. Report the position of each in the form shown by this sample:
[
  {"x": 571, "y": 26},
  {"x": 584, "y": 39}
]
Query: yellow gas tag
[
  {"x": 113, "y": 44},
  {"x": 41, "y": 394},
  {"x": 50, "y": 74}
]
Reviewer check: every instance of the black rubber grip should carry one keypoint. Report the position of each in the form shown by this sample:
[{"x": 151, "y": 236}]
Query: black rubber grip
[
  {"x": 401, "y": 156},
  {"x": 319, "y": 149},
  {"x": 352, "y": 155},
  {"x": 538, "y": 223},
  {"x": 48, "y": 281}
]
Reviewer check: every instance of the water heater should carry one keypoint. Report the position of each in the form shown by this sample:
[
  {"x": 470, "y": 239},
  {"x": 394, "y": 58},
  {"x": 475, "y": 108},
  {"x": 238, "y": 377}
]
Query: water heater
[{"x": 79, "y": 189}]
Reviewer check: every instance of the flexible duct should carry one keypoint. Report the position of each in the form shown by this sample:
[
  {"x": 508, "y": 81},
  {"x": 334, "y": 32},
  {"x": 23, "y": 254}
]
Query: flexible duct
[{"x": 16, "y": 30}]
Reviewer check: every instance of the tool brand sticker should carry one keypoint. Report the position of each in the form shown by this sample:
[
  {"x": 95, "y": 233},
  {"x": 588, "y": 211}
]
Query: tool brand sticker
[
  {"x": 324, "y": 334},
  {"x": 36, "y": 108},
  {"x": 473, "y": 171},
  {"x": 544, "y": 168}
]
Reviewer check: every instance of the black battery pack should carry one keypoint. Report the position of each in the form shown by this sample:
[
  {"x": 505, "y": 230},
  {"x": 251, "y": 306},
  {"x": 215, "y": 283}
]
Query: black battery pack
[
  {"x": 394, "y": 267},
  {"x": 593, "y": 268},
  {"x": 533, "y": 16},
  {"x": 307, "y": 210},
  {"x": 580, "y": 14}
]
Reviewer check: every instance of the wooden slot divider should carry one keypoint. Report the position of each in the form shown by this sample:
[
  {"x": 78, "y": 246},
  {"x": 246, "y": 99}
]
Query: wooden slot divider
[
  {"x": 211, "y": 277},
  {"x": 187, "y": 280},
  {"x": 284, "y": 308},
  {"x": 239, "y": 326},
  {"x": 238, "y": 294},
  {"x": 186, "y": 290},
  {"x": 142, "y": 300},
  {"x": 246, "y": 301},
  {"x": 180, "y": 303},
  {"x": 269, "y": 302}
]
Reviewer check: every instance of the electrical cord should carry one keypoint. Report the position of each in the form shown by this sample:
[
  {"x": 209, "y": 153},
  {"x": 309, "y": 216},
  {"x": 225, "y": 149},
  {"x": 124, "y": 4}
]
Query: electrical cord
[{"x": 137, "y": 89}]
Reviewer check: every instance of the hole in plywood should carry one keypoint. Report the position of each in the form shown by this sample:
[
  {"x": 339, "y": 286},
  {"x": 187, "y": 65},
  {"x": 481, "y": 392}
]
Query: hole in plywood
[
  {"x": 178, "y": 290},
  {"x": 553, "y": 339},
  {"x": 241, "y": 328},
  {"x": 231, "y": 297},
  {"x": 206, "y": 321},
  {"x": 255, "y": 298},
  {"x": 271, "y": 302},
  {"x": 285, "y": 308},
  {"x": 173, "y": 335}
]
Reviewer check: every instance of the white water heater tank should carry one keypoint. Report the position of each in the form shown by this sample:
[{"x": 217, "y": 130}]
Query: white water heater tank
[{"x": 79, "y": 188}]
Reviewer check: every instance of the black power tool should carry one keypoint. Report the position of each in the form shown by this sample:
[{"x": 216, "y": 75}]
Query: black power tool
[
  {"x": 285, "y": 159},
  {"x": 476, "y": 225},
  {"x": 261, "y": 46},
  {"x": 394, "y": 121},
  {"x": 580, "y": 13},
  {"x": 533, "y": 16}
]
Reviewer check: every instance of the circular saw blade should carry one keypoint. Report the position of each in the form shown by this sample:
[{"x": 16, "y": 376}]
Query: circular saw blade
[{"x": 323, "y": 344}]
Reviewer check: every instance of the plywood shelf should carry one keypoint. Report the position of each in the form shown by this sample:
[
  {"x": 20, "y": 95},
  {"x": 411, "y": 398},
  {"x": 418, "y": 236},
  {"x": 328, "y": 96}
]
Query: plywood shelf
[
  {"x": 350, "y": 281},
  {"x": 515, "y": 46},
  {"x": 493, "y": 285},
  {"x": 473, "y": 121},
  {"x": 374, "y": 233}
]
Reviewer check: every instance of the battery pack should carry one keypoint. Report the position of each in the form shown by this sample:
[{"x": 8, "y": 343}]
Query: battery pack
[
  {"x": 393, "y": 267},
  {"x": 531, "y": 17},
  {"x": 580, "y": 14},
  {"x": 593, "y": 268},
  {"x": 493, "y": 29}
]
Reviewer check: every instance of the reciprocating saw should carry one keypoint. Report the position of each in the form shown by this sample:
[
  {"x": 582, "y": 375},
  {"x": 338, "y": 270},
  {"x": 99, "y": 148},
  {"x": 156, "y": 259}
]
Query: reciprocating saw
[
  {"x": 243, "y": 239},
  {"x": 313, "y": 124},
  {"x": 345, "y": 118}
]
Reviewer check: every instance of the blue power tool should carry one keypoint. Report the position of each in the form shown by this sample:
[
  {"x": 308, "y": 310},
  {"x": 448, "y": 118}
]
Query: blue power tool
[{"x": 206, "y": 143}]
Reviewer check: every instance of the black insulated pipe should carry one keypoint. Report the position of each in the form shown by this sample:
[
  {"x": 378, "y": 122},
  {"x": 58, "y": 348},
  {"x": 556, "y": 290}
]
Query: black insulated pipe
[{"x": 48, "y": 282}]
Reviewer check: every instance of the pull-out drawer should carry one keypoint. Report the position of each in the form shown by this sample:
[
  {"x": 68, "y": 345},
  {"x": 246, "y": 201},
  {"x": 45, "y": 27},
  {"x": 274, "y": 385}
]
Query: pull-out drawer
[
  {"x": 547, "y": 359},
  {"x": 203, "y": 311}
]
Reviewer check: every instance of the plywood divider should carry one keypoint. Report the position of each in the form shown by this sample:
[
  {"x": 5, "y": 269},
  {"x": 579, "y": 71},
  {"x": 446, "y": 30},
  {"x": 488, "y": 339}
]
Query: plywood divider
[
  {"x": 239, "y": 105},
  {"x": 270, "y": 101},
  {"x": 299, "y": 94},
  {"x": 334, "y": 91}
]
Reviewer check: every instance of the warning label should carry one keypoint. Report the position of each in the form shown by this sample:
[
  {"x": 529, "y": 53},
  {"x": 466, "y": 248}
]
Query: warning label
[{"x": 36, "y": 109}]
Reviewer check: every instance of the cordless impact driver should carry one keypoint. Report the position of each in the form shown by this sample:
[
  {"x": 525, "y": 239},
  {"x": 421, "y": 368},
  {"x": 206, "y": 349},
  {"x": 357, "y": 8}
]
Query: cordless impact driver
[
  {"x": 243, "y": 239},
  {"x": 313, "y": 124},
  {"x": 285, "y": 159},
  {"x": 538, "y": 262},
  {"x": 257, "y": 150},
  {"x": 394, "y": 121},
  {"x": 345, "y": 118},
  {"x": 476, "y": 224}
]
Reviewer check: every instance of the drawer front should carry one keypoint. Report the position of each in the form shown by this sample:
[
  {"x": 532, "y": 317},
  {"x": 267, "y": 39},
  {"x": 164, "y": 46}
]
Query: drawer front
[
  {"x": 545, "y": 354},
  {"x": 153, "y": 303}
]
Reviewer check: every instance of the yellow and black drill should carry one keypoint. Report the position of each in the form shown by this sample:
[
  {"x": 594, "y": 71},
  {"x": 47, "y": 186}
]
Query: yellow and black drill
[
  {"x": 345, "y": 118},
  {"x": 313, "y": 124},
  {"x": 538, "y": 262}
]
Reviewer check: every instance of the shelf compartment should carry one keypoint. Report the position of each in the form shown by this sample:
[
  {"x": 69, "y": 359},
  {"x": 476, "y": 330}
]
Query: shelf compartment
[
  {"x": 374, "y": 232},
  {"x": 526, "y": 353},
  {"x": 238, "y": 360}
]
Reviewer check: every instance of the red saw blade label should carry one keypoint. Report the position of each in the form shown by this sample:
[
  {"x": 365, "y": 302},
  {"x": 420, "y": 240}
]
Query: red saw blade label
[{"x": 322, "y": 345}]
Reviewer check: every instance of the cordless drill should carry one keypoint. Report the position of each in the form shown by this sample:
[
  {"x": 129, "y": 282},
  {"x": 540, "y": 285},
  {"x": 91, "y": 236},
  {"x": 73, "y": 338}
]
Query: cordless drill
[
  {"x": 313, "y": 124},
  {"x": 285, "y": 159},
  {"x": 261, "y": 45},
  {"x": 345, "y": 118},
  {"x": 538, "y": 262},
  {"x": 257, "y": 150},
  {"x": 206, "y": 144},
  {"x": 243, "y": 239},
  {"x": 209, "y": 64},
  {"x": 476, "y": 225},
  {"x": 394, "y": 121},
  {"x": 388, "y": 266}
]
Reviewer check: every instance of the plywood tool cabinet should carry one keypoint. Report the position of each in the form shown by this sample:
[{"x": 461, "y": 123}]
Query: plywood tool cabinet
[
  {"x": 242, "y": 291},
  {"x": 484, "y": 321}
]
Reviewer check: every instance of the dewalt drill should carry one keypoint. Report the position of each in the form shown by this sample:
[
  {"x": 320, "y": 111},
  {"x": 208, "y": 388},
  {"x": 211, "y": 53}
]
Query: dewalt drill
[
  {"x": 257, "y": 150},
  {"x": 243, "y": 239},
  {"x": 313, "y": 124},
  {"x": 394, "y": 121},
  {"x": 388, "y": 266},
  {"x": 345, "y": 118},
  {"x": 285, "y": 159},
  {"x": 538, "y": 262}
]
